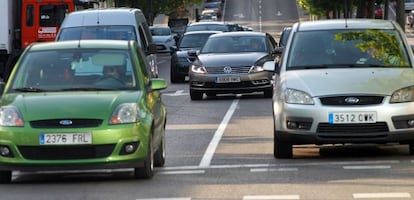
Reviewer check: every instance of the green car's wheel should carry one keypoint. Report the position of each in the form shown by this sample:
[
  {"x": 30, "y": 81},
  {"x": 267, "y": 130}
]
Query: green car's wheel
[
  {"x": 5, "y": 176},
  {"x": 146, "y": 171},
  {"x": 159, "y": 156}
]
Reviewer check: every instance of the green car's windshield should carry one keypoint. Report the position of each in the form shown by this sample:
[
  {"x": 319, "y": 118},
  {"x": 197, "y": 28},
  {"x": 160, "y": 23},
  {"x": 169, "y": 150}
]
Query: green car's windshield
[
  {"x": 75, "y": 70},
  {"x": 347, "y": 48}
]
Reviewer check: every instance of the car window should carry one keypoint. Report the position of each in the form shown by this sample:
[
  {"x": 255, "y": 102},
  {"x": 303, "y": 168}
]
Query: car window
[
  {"x": 193, "y": 41},
  {"x": 235, "y": 44},
  {"x": 208, "y": 27},
  {"x": 344, "y": 48},
  {"x": 76, "y": 69},
  {"x": 160, "y": 31},
  {"x": 98, "y": 32}
]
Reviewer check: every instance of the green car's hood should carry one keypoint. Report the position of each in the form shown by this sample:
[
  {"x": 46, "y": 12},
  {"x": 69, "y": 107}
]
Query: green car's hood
[{"x": 55, "y": 105}]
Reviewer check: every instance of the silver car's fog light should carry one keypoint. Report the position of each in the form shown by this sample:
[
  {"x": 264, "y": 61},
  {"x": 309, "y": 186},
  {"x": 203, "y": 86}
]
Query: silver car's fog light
[
  {"x": 129, "y": 148},
  {"x": 302, "y": 124},
  {"x": 5, "y": 151}
]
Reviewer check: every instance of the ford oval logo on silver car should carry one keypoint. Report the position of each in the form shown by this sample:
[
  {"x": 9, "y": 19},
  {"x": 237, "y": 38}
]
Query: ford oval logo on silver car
[
  {"x": 351, "y": 100},
  {"x": 65, "y": 122}
]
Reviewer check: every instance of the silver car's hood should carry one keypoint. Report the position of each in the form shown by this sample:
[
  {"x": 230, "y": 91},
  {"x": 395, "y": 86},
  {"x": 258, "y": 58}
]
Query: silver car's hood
[
  {"x": 232, "y": 59},
  {"x": 321, "y": 82}
]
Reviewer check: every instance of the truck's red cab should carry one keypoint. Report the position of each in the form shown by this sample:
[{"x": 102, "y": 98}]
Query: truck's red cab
[{"x": 41, "y": 19}]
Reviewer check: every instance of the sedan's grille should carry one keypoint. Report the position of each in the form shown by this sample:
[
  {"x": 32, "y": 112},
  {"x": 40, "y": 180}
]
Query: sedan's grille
[
  {"x": 66, "y": 123},
  {"x": 352, "y": 128},
  {"x": 360, "y": 100},
  {"x": 229, "y": 70},
  {"x": 66, "y": 152}
]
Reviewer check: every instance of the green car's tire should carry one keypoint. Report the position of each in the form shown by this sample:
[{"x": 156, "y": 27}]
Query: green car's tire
[
  {"x": 146, "y": 171},
  {"x": 159, "y": 156}
]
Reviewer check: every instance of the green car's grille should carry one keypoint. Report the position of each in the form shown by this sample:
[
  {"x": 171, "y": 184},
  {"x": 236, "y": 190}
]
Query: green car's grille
[
  {"x": 66, "y": 123},
  {"x": 66, "y": 152}
]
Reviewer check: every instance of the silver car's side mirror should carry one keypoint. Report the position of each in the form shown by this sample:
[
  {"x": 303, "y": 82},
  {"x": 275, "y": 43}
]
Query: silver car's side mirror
[{"x": 269, "y": 66}]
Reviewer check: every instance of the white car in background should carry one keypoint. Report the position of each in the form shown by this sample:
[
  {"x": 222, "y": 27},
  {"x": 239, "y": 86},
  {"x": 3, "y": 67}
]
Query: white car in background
[{"x": 163, "y": 37}]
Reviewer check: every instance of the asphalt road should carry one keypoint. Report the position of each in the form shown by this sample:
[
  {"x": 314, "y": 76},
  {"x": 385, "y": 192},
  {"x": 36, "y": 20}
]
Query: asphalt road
[{"x": 221, "y": 149}]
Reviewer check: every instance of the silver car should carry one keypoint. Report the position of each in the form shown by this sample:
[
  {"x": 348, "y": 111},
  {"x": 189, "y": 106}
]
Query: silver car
[{"x": 343, "y": 81}]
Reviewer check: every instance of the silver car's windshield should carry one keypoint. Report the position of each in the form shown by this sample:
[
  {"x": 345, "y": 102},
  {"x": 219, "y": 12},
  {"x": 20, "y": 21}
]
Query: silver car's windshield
[
  {"x": 98, "y": 32},
  {"x": 77, "y": 69},
  {"x": 347, "y": 48},
  {"x": 234, "y": 44}
]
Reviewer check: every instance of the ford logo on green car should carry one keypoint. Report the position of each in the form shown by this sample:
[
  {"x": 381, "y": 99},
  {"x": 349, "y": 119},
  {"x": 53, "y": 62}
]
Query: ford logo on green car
[{"x": 80, "y": 105}]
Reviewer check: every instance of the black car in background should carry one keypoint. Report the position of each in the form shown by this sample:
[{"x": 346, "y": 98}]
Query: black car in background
[{"x": 180, "y": 60}]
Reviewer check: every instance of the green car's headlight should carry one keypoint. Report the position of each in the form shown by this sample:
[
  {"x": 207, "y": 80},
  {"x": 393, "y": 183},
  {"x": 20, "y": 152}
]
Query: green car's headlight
[
  {"x": 298, "y": 97},
  {"x": 10, "y": 116},
  {"x": 125, "y": 113},
  {"x": 403, "y": 95}
]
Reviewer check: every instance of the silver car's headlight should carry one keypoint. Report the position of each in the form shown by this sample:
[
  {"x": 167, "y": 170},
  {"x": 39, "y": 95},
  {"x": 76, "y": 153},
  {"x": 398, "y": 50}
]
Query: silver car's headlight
[
  {"x": 125, "y": 113},
  {"x": 10, "y": 116},
  {"x": 198, "y": 69},
  {"x": 298, "y": 97},
  {"x": 403, "y": 95},
  {"x": 256, "y": 68}
]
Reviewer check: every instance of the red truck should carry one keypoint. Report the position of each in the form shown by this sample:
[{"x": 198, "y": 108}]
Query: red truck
[{"x": 23, "y": 22}]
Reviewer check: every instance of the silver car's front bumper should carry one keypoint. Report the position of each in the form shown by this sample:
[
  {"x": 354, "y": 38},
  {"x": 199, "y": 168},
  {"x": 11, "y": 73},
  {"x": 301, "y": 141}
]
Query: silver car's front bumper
[{"x": 309, "y": 124}]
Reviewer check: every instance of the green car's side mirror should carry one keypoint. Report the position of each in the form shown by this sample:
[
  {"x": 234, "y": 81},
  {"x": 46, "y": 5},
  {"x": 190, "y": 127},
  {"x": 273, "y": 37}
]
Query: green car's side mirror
[{"x": 158, "y": 84}]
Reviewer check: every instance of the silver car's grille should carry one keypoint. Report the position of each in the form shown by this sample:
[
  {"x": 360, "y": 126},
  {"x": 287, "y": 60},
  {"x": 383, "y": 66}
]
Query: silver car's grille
[
  {"x": 229, "y": 70},
  {"x": 351, "y": 100},
  {"x": 338, "y": 129}
]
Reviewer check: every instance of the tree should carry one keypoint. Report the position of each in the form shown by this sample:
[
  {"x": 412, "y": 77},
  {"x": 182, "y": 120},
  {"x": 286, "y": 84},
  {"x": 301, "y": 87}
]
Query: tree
[{"x": 152, "y": 8}]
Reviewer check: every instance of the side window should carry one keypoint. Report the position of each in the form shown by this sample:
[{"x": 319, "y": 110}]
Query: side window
[
  {"x": 143, "y": 41},
  {"x": 272, "y": 41},
  {"x": 145, "y": 68},
  {"x": 29, "y": 15}
]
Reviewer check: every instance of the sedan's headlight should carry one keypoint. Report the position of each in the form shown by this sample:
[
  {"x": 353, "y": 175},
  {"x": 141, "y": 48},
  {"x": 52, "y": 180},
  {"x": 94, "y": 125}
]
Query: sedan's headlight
[
  {"x": 198, "y": 69},
  {"x": 298, "y": 97},
  {"x": 403, "y": 95},
  {"x": 125, "y": 113},
  {"x": 10, "y": 116},
  {"x": 256, "y": 68}
]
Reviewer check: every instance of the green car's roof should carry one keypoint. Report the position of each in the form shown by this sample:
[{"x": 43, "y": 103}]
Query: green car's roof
[{"x": 111, "y": 44}]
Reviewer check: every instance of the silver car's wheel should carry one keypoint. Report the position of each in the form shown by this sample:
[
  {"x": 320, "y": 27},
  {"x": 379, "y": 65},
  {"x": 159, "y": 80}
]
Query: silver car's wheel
[
  {"x": 5, "y": 176},
  {"x": 282, "y": 149},
  {"x": 195, "y": 95},
  {"x": 411, "y": 148}
]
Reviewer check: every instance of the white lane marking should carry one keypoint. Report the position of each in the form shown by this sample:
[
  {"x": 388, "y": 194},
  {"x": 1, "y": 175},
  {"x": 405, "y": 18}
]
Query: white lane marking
[
  {"x": 274, "y": 170},
  {"x": 180, "y": 198},
  {"x": 211, "y": 149},
  {"x": 260, "y": 16},
  {"x": 191, "y": 127},
  {"x": 270, "y": 197},
  {"x": 381, "y": 195},
  {"x": 183, "y": 172},
  {"x": 177, "y": 93},
  {"x": 192, "y": 167},
  {"x": 368, "y": 167}
]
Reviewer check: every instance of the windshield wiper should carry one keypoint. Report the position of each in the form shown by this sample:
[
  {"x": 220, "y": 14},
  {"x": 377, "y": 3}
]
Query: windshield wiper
[{"x": 29, "y": 89}]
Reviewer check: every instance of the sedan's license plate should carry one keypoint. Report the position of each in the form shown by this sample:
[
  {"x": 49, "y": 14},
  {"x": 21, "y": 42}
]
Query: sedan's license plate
[
  {"x": 227, "y": 79},
  {"x": 352, "y": 117},
  {"x": 65, "y": 138}
]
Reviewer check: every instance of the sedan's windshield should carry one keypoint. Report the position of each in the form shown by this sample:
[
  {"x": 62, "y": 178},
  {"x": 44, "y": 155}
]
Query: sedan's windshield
[
  {"x": 194, "y": 40},
  {"x": 77, "y": 69},
  {"x": 347, "y": 48},
  {"x": 232, "y": 44}
]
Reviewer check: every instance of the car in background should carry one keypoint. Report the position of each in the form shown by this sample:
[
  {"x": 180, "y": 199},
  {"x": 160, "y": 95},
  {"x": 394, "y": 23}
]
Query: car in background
[
  {"x": 180, "y": 59},
  {"x": 216, "y": 7},
  {"x": 344, "y": 81},
  {"x": 284, "y": 35},
  {"x": 80, "y": 105},
  {"x": 232, "y": 63},
  {"x": 163, "y": 38},
  {"x": 208, "y": 15},
  {"x": 207, "y": 26}
]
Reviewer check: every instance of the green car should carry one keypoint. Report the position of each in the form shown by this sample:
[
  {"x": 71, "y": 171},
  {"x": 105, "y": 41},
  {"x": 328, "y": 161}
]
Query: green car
[{"x": 80, "y": 105}]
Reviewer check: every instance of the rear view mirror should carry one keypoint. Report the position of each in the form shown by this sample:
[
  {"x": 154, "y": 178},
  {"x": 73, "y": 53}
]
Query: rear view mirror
[{"x": 108, "y": 59}]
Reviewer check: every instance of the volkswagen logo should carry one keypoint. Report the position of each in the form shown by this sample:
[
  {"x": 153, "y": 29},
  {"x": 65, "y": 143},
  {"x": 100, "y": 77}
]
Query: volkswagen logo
[
  {"x": 351, "y": 100},
  {"x": 65, "y": 122},
  {"x": 227, "y": 69}
]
